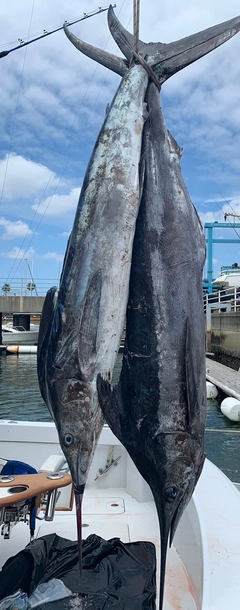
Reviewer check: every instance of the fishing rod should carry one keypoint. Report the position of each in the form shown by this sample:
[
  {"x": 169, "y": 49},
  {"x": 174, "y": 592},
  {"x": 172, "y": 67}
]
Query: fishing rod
[{"x": 46, "y": 33}]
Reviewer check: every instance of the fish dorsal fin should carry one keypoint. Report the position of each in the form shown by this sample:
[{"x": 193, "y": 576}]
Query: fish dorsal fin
[
  {"x": 175, "y": 150},
  {"x": 43, "y": 338},
  {"x": 110, "y": 61},
  {"x": 89, "y": 326},
  {"x": 109, "y": 402}
]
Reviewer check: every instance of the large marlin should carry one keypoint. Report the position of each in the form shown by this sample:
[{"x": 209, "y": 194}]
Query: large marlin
[
  {"x": 80, "y": 334},
  {"x": 158, "y": 409}
]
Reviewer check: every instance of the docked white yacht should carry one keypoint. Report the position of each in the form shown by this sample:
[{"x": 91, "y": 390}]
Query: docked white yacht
[{"x": 18, "y": 335}]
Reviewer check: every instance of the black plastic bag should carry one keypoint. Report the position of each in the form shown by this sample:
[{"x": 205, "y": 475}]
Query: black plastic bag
[{"x": 115, "y": 575}]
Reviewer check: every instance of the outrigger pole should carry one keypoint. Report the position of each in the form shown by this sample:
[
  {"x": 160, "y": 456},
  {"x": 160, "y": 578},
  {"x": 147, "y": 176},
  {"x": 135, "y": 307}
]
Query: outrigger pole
[{"x": 22, "y": 43}]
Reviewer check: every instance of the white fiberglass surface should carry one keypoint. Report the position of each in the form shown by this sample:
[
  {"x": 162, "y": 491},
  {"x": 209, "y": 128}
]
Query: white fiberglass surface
[{"x": 113, "y": 513}]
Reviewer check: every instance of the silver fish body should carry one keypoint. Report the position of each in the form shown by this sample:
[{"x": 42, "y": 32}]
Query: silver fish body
[
  {"x": 158, "y": 409},
  {"x": 80, "y": 335}
]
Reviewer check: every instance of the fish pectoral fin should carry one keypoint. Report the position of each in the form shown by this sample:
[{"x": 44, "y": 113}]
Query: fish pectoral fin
[
  {"x": 43, "y": 338},
  {"x": 108, "y": 400},
  {"x": 142, "y": 169},
  {"x": 89, "y": 326},
  {"x": 194, "y": 399}
]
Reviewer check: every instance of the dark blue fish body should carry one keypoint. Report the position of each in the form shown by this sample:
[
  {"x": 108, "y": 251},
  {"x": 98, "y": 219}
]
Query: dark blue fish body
[{"x": 158, "y": 410}]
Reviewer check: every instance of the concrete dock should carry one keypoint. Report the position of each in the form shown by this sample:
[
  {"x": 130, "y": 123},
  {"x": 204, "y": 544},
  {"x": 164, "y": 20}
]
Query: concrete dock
[{"x": 223, "y": 377}]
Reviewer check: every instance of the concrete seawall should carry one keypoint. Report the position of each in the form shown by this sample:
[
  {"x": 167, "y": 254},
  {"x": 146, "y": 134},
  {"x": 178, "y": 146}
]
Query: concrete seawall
[
  {"x": 224, "y": 337},
  {"x": 15, "y": 304},
  {"x": 21, "y": 309}
]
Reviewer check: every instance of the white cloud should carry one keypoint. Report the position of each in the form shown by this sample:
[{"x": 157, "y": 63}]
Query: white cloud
[
  {"x": 14, "y": 229},
  {"x": 20, "y": 177},
  {"x": 58, "y": 205},
  {"x": 53, "y": 256},
  {"x": 211, "y": 216},
  {"x": 54, "y": 98},
  {"x": 20, "y": 254},
  {"x": 232, "y": 208},
  {"x": 65, "y": 234}
]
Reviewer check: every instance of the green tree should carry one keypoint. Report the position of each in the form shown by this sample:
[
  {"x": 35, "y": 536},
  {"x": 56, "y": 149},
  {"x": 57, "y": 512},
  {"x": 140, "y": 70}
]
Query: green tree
[
  {"x": 6, "y": 288},
  {"x": 31, "y": 286}
]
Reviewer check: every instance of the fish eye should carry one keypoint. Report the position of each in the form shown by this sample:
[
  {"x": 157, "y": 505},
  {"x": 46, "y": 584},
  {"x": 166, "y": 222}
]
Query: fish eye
[
  {"x": 170, "y": 493},
  {"x": 68, "y": 439}
]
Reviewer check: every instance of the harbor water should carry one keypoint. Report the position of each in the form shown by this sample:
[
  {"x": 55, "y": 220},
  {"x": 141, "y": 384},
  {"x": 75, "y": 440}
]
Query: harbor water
[{"x": 20, "y": 400}]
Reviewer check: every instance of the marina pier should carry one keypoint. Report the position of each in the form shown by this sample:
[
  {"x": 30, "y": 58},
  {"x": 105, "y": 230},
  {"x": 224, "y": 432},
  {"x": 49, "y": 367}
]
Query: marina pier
[{"x": 223, "y": 377}]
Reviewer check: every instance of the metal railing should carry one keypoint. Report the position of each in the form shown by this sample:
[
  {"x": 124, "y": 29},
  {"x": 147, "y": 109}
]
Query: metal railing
[
  {"x": 230, "y": 296},
  {"x": 229, "y": 270},
  {"x": 18, "y": 286}
]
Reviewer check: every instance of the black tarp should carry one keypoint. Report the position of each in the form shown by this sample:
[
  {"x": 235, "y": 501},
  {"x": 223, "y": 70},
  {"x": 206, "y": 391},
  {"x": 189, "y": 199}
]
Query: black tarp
[{"x": 115, "y": 575}]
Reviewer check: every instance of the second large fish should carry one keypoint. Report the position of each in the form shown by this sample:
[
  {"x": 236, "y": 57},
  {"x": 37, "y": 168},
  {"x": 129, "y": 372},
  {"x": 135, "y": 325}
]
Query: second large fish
[
  {"x": 80, "y": 335},
  {"x": 158, "y": 410}
]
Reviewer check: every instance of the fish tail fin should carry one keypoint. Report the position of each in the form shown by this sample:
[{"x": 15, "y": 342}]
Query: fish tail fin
[
  {"x": 109, "y": 402},
  {"x": 110, "y": 61},
  {"x": 122, "y": 37},
  {"x": 181, "y": 53},
  {"x": 167, "y": 59}
]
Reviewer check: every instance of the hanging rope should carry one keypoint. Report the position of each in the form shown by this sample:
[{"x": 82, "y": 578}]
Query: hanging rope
[{"x": 136, "y": 19}]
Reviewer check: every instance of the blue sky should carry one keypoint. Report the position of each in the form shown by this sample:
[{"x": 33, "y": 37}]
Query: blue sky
[{"x": 53, "y": 102}]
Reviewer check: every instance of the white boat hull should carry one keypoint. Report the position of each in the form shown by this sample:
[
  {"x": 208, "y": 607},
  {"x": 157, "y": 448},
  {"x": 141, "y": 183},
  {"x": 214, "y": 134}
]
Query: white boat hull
[{"x": 24, "y": 337}]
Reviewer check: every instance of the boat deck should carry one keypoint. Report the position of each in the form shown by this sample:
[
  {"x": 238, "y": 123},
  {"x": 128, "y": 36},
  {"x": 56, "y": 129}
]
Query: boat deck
[
  {"x": 112, "y": 513},
  {"x": 223, "y": 377}
]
